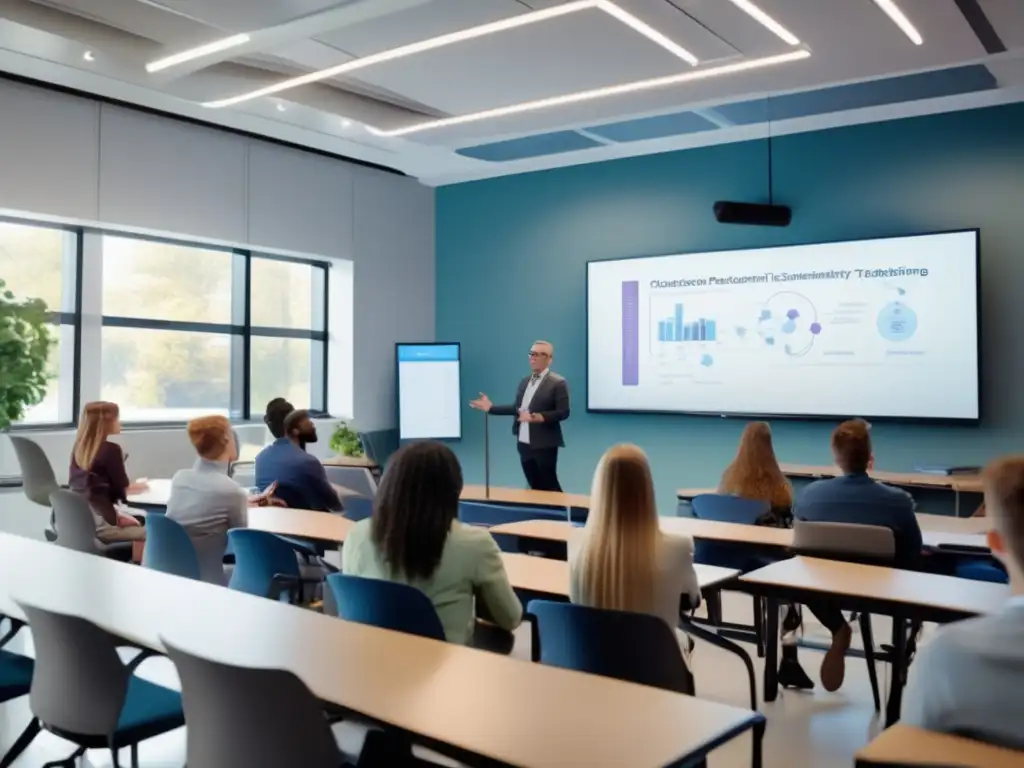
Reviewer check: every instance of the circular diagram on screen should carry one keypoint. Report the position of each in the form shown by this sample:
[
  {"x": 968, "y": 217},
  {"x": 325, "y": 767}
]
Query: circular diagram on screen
[
  {"x": 897, "y": 321},
  {"x": 788, "y": 321}
]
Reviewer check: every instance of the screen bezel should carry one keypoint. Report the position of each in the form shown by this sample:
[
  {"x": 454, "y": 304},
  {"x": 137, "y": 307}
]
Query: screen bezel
[
  {"x": 804, "y": 416},
  {"x": 398, "y": 390}
]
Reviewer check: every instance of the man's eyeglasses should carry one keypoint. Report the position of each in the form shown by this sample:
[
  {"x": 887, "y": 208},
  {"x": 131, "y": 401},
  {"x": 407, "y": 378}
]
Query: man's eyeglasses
[{"x": 538, "y": 354}]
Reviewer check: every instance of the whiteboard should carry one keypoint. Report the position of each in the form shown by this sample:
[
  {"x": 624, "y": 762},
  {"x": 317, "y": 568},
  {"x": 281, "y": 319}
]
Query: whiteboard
[{"x": 429, "y": 390}]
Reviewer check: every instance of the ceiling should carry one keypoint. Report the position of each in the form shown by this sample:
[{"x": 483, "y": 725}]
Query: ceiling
[{"x": 427, "y": 89}]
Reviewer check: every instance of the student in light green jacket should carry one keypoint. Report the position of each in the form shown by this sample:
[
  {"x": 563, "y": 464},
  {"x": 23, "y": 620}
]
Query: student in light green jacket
[{"x": 414, "y": 537}]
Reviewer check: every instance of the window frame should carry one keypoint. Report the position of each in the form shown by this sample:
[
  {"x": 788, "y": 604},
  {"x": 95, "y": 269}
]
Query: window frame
[
  {"x": 240, "y": 328},
  {"x": 59, "y": 318}
]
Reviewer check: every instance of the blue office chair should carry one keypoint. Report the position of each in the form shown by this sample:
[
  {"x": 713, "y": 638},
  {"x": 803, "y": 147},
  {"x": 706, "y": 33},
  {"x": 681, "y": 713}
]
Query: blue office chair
[
  {"x": 385, "y": 604},
  {"x": 266, "y": 565},
  {"x": 15, "y": 682},
  {"x": 358, "y": 507},
  {"x": 635, "y": 647},
  {"x": 169, "y": 548},
  {"x": 110, "y": 707},
  {"x": 982, "y": 570}
]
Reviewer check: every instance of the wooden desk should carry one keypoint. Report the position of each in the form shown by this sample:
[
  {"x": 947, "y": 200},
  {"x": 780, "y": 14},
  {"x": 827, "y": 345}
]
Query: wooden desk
[
  {"x": 688, "y": 494},
  {"x": 327, "y": 527},
  {"x": 350, "y": 461},
  {"x": 156, "y": 495},
  {"x": 956, "y": 483},
  {"x": 902, "y": 744},
  {"x": 903, "y": 595},
  {"x": 444, "y": 693},
  {"x": 712, "y": 530},
  {"x": 525, "y": 497}
]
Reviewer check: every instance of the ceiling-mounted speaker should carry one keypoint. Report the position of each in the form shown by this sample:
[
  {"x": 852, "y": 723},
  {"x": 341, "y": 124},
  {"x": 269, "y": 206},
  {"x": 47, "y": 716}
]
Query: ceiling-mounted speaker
[{"x": 728, "y": 212}]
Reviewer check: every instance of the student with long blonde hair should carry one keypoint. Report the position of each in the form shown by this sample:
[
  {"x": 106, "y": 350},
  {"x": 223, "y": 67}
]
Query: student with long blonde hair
[
  {"x": 755, "y": 474},
  {"x": 98, "y": 472},
  {"x": 622, "y": 560}
]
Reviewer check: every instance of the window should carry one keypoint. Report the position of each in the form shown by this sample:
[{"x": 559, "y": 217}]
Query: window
[
  {"x": 289, "y": 339},
  {"x": 169, "y": 340},
  {"x": 41, "y": 262}
]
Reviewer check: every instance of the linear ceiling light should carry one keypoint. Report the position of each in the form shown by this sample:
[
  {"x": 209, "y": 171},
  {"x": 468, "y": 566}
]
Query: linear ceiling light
[
  {"x": 194, "y": 53},
  {"x": 900, "y": 20},
  {"x": 766, "y": 21},
  {"x": 462, "y": 35},
  {"x": 598, "y": 93}
]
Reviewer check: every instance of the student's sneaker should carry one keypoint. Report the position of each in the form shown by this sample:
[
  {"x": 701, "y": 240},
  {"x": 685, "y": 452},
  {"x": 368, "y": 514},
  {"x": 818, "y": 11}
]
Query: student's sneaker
[
  {"x": 791, "y": 674},
  {"x": 833, "y": 666}
]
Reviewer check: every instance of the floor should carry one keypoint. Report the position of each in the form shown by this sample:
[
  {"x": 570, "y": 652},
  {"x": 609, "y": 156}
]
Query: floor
[{"x": 815, "y": 729}]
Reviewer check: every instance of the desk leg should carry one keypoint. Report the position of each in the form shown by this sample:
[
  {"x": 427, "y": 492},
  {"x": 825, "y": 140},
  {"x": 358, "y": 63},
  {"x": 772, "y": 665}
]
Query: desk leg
[
  {"x": 759, "y": 729},
  {"x": 771, "y": 649},
  {"x": 899, "y": 670},
  {"x": 956, "y": 502}
]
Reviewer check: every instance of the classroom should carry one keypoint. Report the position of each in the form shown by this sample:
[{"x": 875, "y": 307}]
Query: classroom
[{"x": 511, "y": 383}]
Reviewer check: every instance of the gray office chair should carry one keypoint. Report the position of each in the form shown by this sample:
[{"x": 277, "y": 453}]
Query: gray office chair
[
  {"x": 869, "y": 544},
  {"x": 358, "y": 480},
  {"x": 243, "y": 473},
  {"x": 84, "y": 693},
  {"x": 259, "y": 718},
  {"x": 37, "y": 477},
  {"x": 76, "y": 527}
]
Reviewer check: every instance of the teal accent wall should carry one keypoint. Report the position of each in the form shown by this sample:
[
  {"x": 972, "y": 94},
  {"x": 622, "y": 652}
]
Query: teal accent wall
[{"x": 511, "y": 256}]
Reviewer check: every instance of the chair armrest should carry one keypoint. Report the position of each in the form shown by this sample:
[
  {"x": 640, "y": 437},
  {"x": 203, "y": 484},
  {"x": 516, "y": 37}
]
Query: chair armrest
[{"x": 16, "y": 626}]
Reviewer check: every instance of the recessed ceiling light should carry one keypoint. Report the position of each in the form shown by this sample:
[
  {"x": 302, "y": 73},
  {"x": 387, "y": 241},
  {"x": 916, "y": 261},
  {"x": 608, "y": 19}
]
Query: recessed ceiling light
[
  {"x": 346, "y": 123},
  {"x": 462, "y": 35},
  {"x": 900, "y": 20},
  {"x": 766, "y": 21},
  {"x": 598, "y": 93},
  {"x": 281, "y": 107},
  {"x": 89, "y": 56},
  {"x": 194, "y": 53}
]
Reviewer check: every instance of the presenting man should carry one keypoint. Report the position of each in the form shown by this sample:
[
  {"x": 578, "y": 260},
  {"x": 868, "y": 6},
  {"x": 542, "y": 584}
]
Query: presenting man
[{"x": 542, "y": 404}]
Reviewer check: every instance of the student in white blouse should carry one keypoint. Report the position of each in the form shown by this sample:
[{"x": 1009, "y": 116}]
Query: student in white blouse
[{"x": 621, "y": 559}]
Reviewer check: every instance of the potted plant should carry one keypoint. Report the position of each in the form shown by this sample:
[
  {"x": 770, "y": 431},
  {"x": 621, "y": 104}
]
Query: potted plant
[
  {"x": 345, "y": 441},
  {"x": 24, "y": 348}
]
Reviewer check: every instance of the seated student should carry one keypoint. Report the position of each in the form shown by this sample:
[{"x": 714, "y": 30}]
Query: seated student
[
  {"x": 755, "y": 474},
  {"x": 621, "y": 559},
  {"x": 204, "y": 499},
  {"x": 855, "y": 498},
  {"x": 414, "y": 537},
  {"x": 98, "y": 472},
  {"x": 301, "y": 478},
  {"x": 970, "y": 678}
]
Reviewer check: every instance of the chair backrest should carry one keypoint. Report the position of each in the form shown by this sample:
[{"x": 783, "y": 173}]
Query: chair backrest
[
  {"x": 367, "y": 444},
  {"x": 37, "y": 477},
  {"x": 637, "y": 647},
  {"x": 358, "y": 507},
  {"x": 356, "y": 479},
  {"x": 244, "y": 473},
  {"x": 76, "y": 526},
  {"x": 385, "y": 604},
  {"x": 728, "y": 509},
  {"x": 80, "y": 683},
  {"x": 169, "y": 548},
  {"x": 479, "y": 513},
  {"x": 259, "y": 556},
  {"x": 259, "y": 718},
  {"x": 844, "y": 541}
]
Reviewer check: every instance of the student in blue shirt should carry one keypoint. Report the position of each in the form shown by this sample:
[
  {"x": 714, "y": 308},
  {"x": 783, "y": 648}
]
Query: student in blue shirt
[
  {"x": 855, "y": 498},
  {"x": 301, "y": 479}
]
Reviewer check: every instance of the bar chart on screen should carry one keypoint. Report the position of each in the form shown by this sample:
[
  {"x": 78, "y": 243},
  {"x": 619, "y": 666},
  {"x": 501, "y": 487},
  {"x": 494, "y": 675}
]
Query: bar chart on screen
[{"x": 682, "y": 328}]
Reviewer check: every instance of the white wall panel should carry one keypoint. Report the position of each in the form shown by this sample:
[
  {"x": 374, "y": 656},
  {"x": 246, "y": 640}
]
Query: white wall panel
[
  {"x": 49, "y": 152},
  {"x": 299, "y": 201},
  {"x": 171, "y": 176},
  {"x": 394, "y": 286}
]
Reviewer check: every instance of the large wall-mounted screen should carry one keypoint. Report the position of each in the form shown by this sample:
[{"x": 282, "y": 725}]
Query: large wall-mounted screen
[{"x": 884, "y": 328}]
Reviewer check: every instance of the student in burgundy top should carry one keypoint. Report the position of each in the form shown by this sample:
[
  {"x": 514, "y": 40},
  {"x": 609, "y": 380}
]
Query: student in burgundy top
[{"x": 98, "y": 472}]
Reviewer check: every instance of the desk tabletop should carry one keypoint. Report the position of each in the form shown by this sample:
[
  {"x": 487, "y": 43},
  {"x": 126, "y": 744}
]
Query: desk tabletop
[
  {"x": 875, "y": 582},
  {"x": 916, "y": 747},
  {"x": 556, "y": 530},
  {"x": 968, "y": 483},
  {"x": 300, "y": 523},
  {"x": 689, "y": 494},
  {"x": 544, "y": 716},
  {"x": 350, "y": 461},
  {"x": 525, "y": 497}
]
